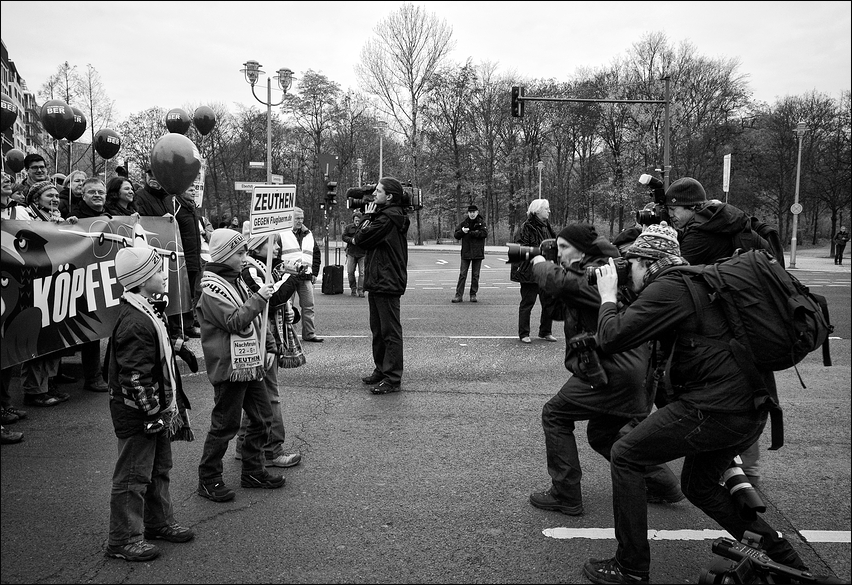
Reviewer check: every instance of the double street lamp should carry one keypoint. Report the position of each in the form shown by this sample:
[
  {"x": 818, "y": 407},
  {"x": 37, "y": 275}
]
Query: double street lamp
[
  {"x": 796, "y": 209},
  {"x": 285, "y": 79}
]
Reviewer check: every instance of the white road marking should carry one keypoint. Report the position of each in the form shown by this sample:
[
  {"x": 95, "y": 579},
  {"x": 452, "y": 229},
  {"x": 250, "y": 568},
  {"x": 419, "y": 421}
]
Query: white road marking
[
  {"x": 609, "y": 534},
  {"x": 827, "y": 535},
  {"x": 441, "y": 262}
]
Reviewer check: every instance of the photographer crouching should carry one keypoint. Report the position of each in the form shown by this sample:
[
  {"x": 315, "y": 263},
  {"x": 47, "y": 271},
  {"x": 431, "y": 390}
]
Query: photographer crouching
[
  {"x": 606, "y": 390},
  {"x": 709, "y": 419}
]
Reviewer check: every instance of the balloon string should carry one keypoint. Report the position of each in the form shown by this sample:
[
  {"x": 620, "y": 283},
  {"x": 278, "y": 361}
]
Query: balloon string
[{"x": 177, "y": 264}]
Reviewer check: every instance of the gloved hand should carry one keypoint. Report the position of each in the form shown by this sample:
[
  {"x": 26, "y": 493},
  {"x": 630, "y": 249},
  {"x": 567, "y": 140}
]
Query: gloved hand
[{"x": 188, "y": 357}]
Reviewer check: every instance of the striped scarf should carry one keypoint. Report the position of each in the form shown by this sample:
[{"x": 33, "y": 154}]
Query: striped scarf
[{"x": 660, "y": 265}]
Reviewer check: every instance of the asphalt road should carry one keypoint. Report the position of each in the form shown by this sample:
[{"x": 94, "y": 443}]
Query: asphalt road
[{"x": 429, "y": 485}]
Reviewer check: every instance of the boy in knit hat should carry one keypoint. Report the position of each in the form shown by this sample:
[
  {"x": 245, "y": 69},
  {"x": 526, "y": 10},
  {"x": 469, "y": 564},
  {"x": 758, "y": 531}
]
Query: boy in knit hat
[
  {"x": 709, "y": 418},
  {"x": 146, "y": 404},
  {"x": 230, "y": 315}
]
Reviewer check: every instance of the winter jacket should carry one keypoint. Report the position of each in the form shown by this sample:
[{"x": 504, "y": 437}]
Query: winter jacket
[
  {"x": 114, "y": 208},
  {"x": 384, "y": 235},
  {"x": 709, "y": 235},
  {"x": 625, "y": 394},
  {"x": 473, "y": 242},
  {"x": 219, "y": 319},
  {"x": 705, "y": 377},
  {"x": 531, "y": 233},
  {"x": 64, "y": 205},
  {"x": 841, "y": 238},
  {"x": 352, "y": 249},
  {"x": 81, "y": 209},
  {"x": 153, "y": 202},
  {"x": 190, "y": 237}
]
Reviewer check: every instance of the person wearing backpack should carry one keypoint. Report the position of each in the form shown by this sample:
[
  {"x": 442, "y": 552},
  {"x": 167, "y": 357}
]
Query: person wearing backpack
[{"x": 710, "y": 418}]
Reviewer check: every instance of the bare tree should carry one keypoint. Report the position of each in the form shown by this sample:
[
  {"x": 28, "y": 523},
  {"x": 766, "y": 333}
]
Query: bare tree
[
  {"x": 96, "y": 104},
  {"x": 398, "y": 64},
  {"x": 139, "y": 133}
]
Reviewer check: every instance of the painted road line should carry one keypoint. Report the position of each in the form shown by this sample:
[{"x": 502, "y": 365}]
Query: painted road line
[
  {"x": 441, "y": 262},
  {"x": 563, "y": 533}
]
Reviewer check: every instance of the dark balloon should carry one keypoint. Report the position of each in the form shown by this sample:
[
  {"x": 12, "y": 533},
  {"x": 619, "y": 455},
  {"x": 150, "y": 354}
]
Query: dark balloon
[
  {"x": 107, "y": 143},
  {"x": 204, "y": 119},
  {"x": 177, "y": 121},
  {"x": 15, "y": 160},
  {"x": 79, "y": 125},
  {"x": 9, "y": 113},
  {"x": 57, "y": 118},
  {"x": 175, "y": 163}
]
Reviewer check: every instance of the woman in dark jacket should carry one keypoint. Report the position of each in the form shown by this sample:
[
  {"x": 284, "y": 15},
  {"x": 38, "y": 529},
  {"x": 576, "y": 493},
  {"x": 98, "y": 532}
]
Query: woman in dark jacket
[
  {"x": 119, "y": 198},
  {"x": 533, "y": 231}
]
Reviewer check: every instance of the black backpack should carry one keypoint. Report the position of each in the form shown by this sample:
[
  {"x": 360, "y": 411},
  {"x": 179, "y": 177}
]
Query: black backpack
[
  {"x": 758, "y": 235},
  {"x": 775, "y": 320}
]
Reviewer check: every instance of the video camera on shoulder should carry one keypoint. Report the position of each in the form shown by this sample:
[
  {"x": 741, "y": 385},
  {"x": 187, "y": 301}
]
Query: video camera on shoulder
[
  {"x": 547, "y": 249},
  {"x": 746, "y": 562},
  {"x": 359, "y": 197},
  {"x": 656, "y": 211}
]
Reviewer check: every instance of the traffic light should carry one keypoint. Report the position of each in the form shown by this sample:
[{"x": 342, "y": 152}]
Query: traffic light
[
  {"x": 331, "y": 193},
  {"x": 517, "y": 104}
]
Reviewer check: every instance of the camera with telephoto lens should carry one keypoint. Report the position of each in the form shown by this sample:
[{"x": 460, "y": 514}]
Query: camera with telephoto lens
[
  {"x": 656, "y": 211},
  {"x": 622, "y": 269},
  {"x": 746, "y": 562},
  {"x": 547, "y": 249},
  {"x": 589, "y": 364},
  {"x": 745, "y": 497}
]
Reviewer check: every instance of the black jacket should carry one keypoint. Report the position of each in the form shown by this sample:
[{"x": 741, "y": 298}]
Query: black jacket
[
  {"x": 352, "y": 249},
  {"x": 531, "y": 233},
  {"x": 190, "y": 236},
  {"x": 153, "y": 202},
  {"x": 81, "y": 209},
  {"x": 384, "y": 235},
  {"x": 473, "y": 242},
  {"x": 710, "y": 235}
]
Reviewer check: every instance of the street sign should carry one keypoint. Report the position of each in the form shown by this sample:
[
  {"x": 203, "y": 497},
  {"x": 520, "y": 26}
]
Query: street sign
[
  {"x": 256, "y": 165},
  {"x": 271, "y": 208},
  {"x": 327, "y": 164},
  {"x": 277, "y": 179},
  {"x": 726, "y": 174},
  {"x": 246, "y": 185},
  {"x": 796, "y": 208}
]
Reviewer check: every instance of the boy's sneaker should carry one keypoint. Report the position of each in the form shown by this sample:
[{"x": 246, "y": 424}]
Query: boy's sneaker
[
  {"x": 285, "y": 460},
  {"x": 133, "y": 551},
  {"x": 547, "y": 501},
  {"x": 216, "y": 492},
  {"x": 21, "y": 414},
  {"x": 262, "y": 479},
  {"x": 609, "y": 571},
  {"x": 172, "y": 532}
]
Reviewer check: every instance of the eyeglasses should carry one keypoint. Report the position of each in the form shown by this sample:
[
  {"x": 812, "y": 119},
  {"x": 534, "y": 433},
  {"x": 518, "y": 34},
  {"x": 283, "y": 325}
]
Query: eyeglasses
[
  {"x": 37, "y": 168},
  {"x": 95, "y": 192}
]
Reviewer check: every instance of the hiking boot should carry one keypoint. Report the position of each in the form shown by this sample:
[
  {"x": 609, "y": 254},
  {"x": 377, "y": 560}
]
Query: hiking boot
[
  {"x": 216, "y": 492},
  {"x": 456, "y": 299},
  {"x": 172, "y": 532},
  {"x": 133, "y": 551},
  {"x": 10, "y": 437},
  {"x": 373, "y": 378},
  {"x": 285, "y": 460},
  {"x": 262, "y": 479},
  {"x": 8, "y": 417},
  {"x": 547, "y": 501},
  {"x": 385, "y": 387},
  {"x": 609, "y": 571}
]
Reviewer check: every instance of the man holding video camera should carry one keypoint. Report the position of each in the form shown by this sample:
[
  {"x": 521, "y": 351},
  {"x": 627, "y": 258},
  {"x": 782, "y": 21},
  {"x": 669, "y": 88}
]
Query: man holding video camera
[
  {"x": 383, "y": 233},
  {"x": 710, "y": 416},
  {"x": 606, "y": 390}
]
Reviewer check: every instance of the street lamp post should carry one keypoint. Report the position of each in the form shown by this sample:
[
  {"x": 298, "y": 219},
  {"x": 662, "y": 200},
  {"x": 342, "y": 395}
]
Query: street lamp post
[
  {"x": 796, "y": 209},
  {"x": 285, "y": 78},
  {"x": 380, "y": 126},
  {"x": 540, "y": 167},
  {"x": 360, "y": 164}
]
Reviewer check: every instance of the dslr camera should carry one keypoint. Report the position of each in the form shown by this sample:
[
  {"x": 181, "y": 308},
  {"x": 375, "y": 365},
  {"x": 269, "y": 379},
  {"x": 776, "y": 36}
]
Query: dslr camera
[
  {"x": 547, "y": 249},
  {"x": 656, "y": 211},
  {"x": 745, "y": 562},
  {"x": 622, "y": 269}
]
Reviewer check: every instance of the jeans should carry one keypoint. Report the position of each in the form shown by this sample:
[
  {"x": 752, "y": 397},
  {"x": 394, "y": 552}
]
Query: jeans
[
  {"x": 229, "y": 400},
  {"x": 351, "y": 263},
  {"x": 708, "y": 442},
  {"x": 529, "y": 293},
  {"x": 563, "y": 461},
  {"x": 386, "y": 327},
  {"x": 474, "y": 276},
  {"x": 305, "y": 290},
  {"x": 275, "y": 443},
  {"x": 140, "y": 487},
  {"x": 838, "y": 253}
]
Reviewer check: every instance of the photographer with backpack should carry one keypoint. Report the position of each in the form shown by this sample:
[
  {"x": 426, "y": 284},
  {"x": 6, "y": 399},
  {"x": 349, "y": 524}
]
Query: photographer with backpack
[{"x": 711, "y": 416}]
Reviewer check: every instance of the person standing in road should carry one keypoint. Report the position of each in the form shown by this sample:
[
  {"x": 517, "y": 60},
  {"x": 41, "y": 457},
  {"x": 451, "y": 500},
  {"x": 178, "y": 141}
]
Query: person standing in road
[
  {"x": 840, "y": 244},
  {"x": 299, "y": 244},
  {"x": 355, "y": 257},
  {"x": 384, "y": 235},
  {"x": 146, "y": 405},
  {"x": 472, "y": 233},
  {"x": 534, "y": 230}
]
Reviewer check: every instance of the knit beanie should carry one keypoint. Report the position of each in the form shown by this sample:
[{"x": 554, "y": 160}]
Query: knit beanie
[
  {"x": 256, "y": 242},
  {"x": 37, "y": 189},
  {"x": 579, "y": 235},
  {"x": 685, "y": 192},
  {"x": 224, "y": 242},
  {"x": 392, "y": 186},
  {"x": 656, "y": 241},
  {"x": 133, "y": 266}
]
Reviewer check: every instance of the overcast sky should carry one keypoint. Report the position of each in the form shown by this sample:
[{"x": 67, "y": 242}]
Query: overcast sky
[{"x": 177, "y": 54}]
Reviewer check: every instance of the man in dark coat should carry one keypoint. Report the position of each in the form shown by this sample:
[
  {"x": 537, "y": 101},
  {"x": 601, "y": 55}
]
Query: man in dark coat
[
  {"x": 384, "y": 235},
  {"x": 355, "y": 256},
  {"x": 711, "y": 416},
  {"x": 608, "y": 402},
  {"x": 472, "y": 233},
  {"x": 840, "y": 244},
  {"x": 152, "y": 200}
]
